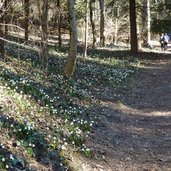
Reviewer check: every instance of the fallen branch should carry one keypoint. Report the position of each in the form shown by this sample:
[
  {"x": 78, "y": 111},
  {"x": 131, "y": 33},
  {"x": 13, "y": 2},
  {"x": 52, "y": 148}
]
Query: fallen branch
[
  {"x": 12, "y": 25},
  {"x": 20, "y": 45}
]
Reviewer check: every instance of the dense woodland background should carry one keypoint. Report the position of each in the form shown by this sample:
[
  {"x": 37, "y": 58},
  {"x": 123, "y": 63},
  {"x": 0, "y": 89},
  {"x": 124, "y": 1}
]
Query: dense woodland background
[
  {"x": 97, "y": 23},
  {"x": 61, "y": 62}
]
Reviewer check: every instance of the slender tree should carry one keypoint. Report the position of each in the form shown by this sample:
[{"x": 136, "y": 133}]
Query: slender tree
[
  {"x": 59, "y": 23},
  {"x": 92, "y": 2},
  {"x": 44, "y": 37},
  {"x": 144, "y": 22},
  {"x": 26, "y": 10},
  {"x": 2, "y": 48},
  {"x": 133, "y": 27},
  {"x": 86, "y": 29},
  {"x": 116, "y": 23},
  {"x": 5, "y": 18},
  {"x": 148, "y": 23},
  {"x": 102, "y": 37},
  {"x": 71, "y": 61}
]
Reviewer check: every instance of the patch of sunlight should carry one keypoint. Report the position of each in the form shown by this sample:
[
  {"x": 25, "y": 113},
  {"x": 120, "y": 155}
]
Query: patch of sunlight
[
  {"x": 127, "y": 109},
  {"x": 120, "y": 106},
  {"x": 133, "y": 111},
  {"x": 160, "y": 113}
]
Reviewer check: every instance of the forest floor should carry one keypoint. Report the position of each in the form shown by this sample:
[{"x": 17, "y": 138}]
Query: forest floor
[
  {"x": 88, "y": 121},
  {"x": 134, "y": 128}
]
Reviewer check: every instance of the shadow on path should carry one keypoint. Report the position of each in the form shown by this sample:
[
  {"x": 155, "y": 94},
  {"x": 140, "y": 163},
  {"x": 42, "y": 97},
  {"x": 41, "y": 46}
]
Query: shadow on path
[{"x": 134, "y": 129}]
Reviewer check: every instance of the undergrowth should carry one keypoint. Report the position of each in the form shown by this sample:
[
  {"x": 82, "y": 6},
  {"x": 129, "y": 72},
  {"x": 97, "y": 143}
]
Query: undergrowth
[{"x": 46, "y": 115}]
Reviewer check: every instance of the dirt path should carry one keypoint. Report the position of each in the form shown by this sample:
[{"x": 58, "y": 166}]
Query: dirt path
[{"x": 134, "y": 132}]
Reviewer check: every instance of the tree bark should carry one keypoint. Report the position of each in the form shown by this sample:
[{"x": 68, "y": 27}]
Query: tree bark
[
  {"x": 133, "y": 27},
  {"x": 148, "y": 23},
  {"x": 102, "y": 37},
  {"x": 26, "y": 10},
  {"x": 44, "y": 37},
  {"x": 6, "y": 27},
  {"x": 116, "y": 24},
  {"x": 71, "y": 61},
  {"x": 2, "y": 48},
  {"x": 92, "y": 22},
  {"x": 116, "y": 31},
  {"x": 144, "y": 22},
  {"x": 86, "y": 30},
  {"x": 59, "y": 24}
]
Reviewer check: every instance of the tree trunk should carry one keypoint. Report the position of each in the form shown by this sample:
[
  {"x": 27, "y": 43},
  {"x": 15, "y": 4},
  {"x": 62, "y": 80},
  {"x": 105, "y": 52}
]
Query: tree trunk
[
  {"x": 6, "y": 27},
  {"x": 44, "y": 38},
  {"x": 144, "y": 22},
  {"x": 26, "y": 10},
  {"x": 116, "y": 31},
  {"x": 116, "y": 25},
  {"x": 2, "y": 48},
  {"x": 148, "y": 23},
  {"x": 86, "y": 30},
  {"x": 59, "y": 24},
  {"x": 133, "y": 27},
  {"x": 71, "y": 61},
  {"x": 92, "y": 23},
  {"x": 102, "y": 37}
]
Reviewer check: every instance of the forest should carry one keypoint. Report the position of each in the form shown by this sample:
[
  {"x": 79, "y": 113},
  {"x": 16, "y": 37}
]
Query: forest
[{"x": 85, "y": 85}]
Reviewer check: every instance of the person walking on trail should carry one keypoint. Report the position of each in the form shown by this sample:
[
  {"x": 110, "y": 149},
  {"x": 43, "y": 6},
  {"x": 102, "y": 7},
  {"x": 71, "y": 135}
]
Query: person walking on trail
[
  {"x": 161, "y": 41},
  {"x": 164, "y": 40}
]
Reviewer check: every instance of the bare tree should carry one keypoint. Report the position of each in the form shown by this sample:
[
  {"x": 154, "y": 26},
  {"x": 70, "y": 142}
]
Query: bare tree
[
  {"x": 86, "y": 29},
  {"x": 148, "y": 23},
  {"x": 26, "y": 11},
  {"x": 71, "y": 61},
  {"x": 2, "y": 49},
  {"x": 59, "y": 23},
  {"x": 116, "y": 23},
  {"x": 43, "y": 15},
  {"x": 5, "y": 18},
  {"x": 92, "y": 22},
  {"x": 133, "y": 27},
  {"x": 102, "y": 37}
]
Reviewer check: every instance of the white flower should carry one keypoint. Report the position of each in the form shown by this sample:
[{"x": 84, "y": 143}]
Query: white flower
[
  {"x": 11, "y": 157},
  {"x": 63, "y": 147}
]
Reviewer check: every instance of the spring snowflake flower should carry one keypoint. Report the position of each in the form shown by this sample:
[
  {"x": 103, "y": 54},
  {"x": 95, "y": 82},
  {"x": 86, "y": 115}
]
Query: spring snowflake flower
[{"x": 11, "y": 157}]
